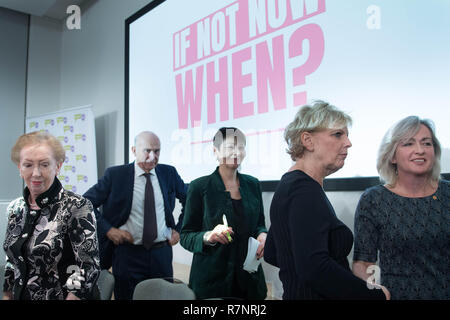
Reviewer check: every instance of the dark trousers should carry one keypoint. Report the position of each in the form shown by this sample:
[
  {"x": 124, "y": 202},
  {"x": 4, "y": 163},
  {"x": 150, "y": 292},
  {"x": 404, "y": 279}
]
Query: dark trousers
[{"x": 133, "y": 263}]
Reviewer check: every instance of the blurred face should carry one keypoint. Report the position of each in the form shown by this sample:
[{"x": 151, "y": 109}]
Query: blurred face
[
  {"x": 416, "y": 155},
  {"x": 38, "y": 168},
  {"x": 231, "y": 152},
  {"x": 331, "y": 148},
  {"x": 147, "y": 151}
]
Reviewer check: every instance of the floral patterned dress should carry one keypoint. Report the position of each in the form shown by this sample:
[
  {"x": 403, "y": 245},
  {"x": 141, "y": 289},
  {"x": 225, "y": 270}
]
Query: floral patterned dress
[{"x": 51, "y": 251}]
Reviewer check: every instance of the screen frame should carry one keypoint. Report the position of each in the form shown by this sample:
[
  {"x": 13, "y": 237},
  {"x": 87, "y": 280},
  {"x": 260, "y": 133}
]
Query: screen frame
[{"x": 330, "y": 184}]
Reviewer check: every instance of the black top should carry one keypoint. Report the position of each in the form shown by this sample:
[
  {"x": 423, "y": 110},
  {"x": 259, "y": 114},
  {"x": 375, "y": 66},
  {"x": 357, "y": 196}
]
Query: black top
[
  {"x": 412, "y": 237},
  {"x": 310, "y": 244},
  {"x": 241, "y": 231}
]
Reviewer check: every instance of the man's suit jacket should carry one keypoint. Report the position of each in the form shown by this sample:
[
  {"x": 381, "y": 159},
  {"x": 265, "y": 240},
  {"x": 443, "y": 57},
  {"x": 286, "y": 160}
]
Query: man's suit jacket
[{"x": 114, "y": 191}]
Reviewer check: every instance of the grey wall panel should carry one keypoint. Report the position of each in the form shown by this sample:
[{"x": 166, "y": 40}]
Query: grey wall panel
[
  {"x": 13, "y": 74},
  {"x": 3, "y": 220}
]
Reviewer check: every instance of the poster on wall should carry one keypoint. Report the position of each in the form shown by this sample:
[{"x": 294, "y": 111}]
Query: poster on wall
[{"x": 75, "y": 128}]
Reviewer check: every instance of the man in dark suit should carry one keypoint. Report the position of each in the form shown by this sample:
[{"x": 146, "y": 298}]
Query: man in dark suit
[{"x": 136, "y": 228}]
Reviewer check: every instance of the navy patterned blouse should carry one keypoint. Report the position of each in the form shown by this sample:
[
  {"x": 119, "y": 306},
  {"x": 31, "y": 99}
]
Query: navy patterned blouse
[{"x": 412, "y": 237}]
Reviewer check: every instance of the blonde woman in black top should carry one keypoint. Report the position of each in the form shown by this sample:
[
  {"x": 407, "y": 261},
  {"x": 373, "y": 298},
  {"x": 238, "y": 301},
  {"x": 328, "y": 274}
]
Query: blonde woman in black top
[{"x": 306, "y": 240}]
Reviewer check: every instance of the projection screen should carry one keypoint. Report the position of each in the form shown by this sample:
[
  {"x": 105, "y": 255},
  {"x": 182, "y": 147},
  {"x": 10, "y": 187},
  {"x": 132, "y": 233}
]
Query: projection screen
[{"x": 195, "y": 66}]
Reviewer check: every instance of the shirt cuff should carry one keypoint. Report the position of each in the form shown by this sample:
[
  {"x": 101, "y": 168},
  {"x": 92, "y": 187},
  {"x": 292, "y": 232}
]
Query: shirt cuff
[
  {"x": 205, "y": 239},
  {"x": 168, "y": 233}
]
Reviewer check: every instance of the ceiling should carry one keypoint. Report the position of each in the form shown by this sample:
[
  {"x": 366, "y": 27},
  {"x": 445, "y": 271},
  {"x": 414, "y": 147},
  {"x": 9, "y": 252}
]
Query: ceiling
[{"x": 55, "y": 9}]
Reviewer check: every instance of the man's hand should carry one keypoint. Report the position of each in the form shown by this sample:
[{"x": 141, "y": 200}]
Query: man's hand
[
  {"x": 175, "y": 238},
  {"x": 118, "y": 236}
]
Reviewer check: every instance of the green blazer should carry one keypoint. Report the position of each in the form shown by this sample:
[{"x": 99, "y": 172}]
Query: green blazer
[{"x": 213, "y": 267}]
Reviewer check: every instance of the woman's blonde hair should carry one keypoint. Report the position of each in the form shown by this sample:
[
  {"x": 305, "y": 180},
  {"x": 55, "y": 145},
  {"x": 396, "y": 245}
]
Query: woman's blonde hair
[
  {"x": 318, "y": 116},
  {"x": 403, "y": 130},
  {"x": 38, "y": 137}
]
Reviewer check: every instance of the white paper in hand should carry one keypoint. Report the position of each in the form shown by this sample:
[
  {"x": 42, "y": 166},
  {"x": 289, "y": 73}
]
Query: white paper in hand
[{"x": 251, "y": 263}]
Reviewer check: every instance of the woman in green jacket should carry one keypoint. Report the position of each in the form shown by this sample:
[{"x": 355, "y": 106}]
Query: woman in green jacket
[{"x": 220, "y": 245}]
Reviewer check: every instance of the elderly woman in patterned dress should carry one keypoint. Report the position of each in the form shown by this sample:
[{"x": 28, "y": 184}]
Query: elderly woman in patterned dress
[
  {"x": 405, "y": 223},
  {"x": 51, "y": 240}
]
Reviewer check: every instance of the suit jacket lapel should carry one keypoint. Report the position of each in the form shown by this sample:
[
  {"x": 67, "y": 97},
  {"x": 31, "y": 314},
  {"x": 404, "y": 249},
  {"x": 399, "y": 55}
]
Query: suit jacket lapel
[
  {"x": 162, "y": 179},
  {"x": 221, "y": 197},
  {"x": 129, "y": 186},
  {"x": 217, "y": 181}
]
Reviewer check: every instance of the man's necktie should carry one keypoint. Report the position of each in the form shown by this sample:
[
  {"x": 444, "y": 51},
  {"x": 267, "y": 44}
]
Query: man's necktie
[{"x": 150, "y": 228}]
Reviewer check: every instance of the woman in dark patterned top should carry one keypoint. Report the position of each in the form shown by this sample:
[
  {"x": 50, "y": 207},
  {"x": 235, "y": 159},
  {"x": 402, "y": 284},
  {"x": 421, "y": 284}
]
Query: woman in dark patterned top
[
  {"x": 51, "y": 240},
  {"x": 407, "y": 221},
  {"x": 306, "y": 240}
]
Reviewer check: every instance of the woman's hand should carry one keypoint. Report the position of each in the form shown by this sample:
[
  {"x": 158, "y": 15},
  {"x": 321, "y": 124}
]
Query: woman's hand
[
  {"x": 219, "y": 234},
  {"x": 360, "y": 269},
  {"x": 175, "y": 238},
  {"x": 118, "y": 236},
  {"x": 262, "y": 242},
  {"x": 71, "y": 296}
]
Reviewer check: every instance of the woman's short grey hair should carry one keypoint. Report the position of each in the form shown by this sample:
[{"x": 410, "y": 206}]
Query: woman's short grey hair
[
  {"x": 404, "y": 130},
  {"x": 318, "y": 116},
  {"x": 38, "y": 137}
]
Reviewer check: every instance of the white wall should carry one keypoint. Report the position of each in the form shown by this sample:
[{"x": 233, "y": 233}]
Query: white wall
[{"x": 93, "y": 72}]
